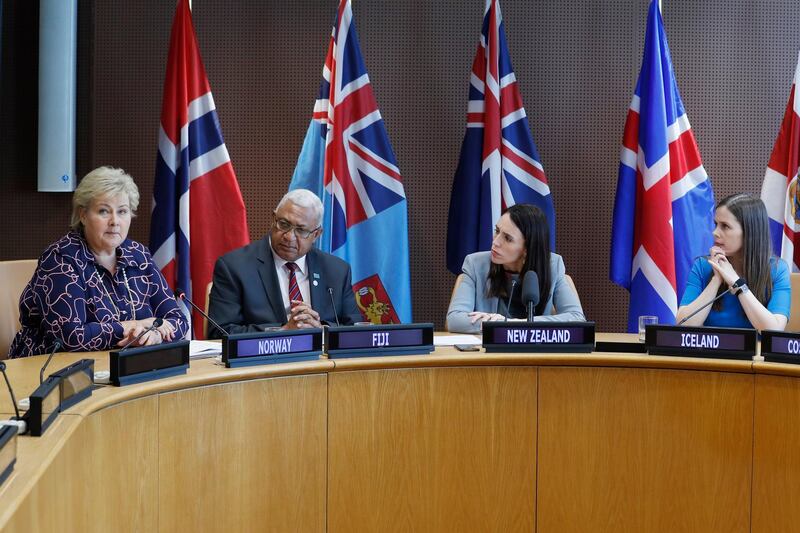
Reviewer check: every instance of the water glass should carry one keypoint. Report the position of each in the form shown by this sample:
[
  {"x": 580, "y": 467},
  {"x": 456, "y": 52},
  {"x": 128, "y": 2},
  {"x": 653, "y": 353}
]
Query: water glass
[{"x": 644, "y": 321}]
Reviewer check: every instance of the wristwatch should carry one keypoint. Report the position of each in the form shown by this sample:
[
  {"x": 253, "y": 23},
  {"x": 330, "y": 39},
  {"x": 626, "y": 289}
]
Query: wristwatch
[{"x": 739, "y": 286}]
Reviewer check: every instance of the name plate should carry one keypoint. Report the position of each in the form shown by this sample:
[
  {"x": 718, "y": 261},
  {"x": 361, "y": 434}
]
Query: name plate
[
  {"x": 44, "y": 407},
  {"x": 780, "y": 347},
  {"x": 379, "y": 340},
  {"x": 76, "y": 383},
  {"x": 536, "y": 337},
  {"x": 282, "y": 346},
  {"x": 145, "y": 363},
  {"x": 719, "y": 343},
  {"x": 8, "y": 451}
]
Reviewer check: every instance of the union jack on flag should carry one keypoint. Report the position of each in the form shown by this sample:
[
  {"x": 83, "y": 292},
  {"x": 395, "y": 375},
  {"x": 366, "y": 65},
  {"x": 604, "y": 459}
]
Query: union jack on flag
[
  {"x": 198, "y": 211},
  {"x": 499, "y": 165},
  {"x": 348, "y": 161},
  {"x": 664, "y": 207},
  {"x": 779, "y": 191}
]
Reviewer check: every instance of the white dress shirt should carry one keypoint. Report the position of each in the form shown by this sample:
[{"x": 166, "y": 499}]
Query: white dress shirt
[{"x": 301, "y": 274}]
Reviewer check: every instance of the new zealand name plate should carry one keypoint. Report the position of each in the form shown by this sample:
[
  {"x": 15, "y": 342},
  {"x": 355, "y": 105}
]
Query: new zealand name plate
[
  {"x": 562, "y": 337},
  {"x": 269, "y": 347},
  {"x": 719, "y": 343},
  {"x": 780, "y": 347},
  {"x": 379, "y": 340}
]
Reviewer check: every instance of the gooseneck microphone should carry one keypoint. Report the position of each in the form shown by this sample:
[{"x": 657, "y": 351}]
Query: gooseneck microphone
[
  {"x": 156, "y": 323},
  {"x": 510, "y": 294},
  {"x": 530, "y": 293},
  {"x": 333, "y": 303},
  {"x": 10, "y": 390},
  {"x": 720, "y": 295},
  {"x": 56, "y": 347},
  {"x": 180, "y": 294}
]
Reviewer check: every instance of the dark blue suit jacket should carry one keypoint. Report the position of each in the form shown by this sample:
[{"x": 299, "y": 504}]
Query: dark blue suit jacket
[{"x": 246, "y": 296}]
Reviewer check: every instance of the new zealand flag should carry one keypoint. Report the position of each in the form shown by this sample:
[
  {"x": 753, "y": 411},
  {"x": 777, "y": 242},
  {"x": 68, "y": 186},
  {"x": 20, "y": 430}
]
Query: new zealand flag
[{"x": 499, "y": 164}]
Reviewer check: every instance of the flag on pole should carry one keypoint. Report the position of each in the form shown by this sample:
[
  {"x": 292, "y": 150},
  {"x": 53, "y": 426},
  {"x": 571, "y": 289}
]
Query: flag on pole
[
  {"x": 499, "y": 165},
  {"x": 348, "y": 161},
  {"x": 779, "y": 191},
  {"x": 198, "y": 212},
  {"x": 664, "y": 207}
]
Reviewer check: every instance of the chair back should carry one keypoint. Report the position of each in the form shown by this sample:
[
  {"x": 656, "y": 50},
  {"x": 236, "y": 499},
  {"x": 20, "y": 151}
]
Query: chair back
[
  {"x": 794, "y": 313},
  {"x": 14, "y": 276}
]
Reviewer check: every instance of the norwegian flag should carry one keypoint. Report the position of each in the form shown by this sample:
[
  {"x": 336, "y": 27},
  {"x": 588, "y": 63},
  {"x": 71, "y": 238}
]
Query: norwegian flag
[
  {"x": 348, "y": 161},
  {"x": 779, "y": 191},
  {"x": 198, "y": 212},
  {"x": 664, "y": 207},
  {"x": 499, "y": 165}
]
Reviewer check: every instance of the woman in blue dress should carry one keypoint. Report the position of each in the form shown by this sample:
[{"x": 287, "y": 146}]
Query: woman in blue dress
[{"x": 740, "y": 264}]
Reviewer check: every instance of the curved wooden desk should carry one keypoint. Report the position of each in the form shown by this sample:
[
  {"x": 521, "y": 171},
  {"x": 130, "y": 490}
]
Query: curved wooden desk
[{"x": 446, "y": 442}]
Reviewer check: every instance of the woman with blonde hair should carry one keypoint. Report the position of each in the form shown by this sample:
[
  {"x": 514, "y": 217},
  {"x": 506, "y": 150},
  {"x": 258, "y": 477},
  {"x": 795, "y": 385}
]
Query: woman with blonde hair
[{"x": 95, "y": 289}]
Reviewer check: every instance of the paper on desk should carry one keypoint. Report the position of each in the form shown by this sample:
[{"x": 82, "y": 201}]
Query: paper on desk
[
  {"x": 450, "y": 340},
  {"x": 203, "y": 349}
]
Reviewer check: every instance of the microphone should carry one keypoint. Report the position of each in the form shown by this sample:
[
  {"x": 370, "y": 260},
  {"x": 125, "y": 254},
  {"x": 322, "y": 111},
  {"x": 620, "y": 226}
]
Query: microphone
[
  {"x": 156, "y": 323},
  {"x": 180, "y": 294},
  {"x": 720, "y": 295},
  {"x": 56, "y": 347},
  {"x": 530, "y": 292},
  {"x": 10, "y": 390},
  {"x": 510, "y": 294},
  {"x": 333, "y": 303}
]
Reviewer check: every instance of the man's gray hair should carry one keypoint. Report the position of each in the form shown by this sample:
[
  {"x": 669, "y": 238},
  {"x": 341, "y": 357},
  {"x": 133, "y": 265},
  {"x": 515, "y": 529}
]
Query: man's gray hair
[{"x": 304, "y": 198}]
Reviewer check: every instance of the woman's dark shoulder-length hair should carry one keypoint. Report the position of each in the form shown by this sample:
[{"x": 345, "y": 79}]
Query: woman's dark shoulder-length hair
[
  {"x": 751, "y": 213},
  {"x": 532, "y": 223}
]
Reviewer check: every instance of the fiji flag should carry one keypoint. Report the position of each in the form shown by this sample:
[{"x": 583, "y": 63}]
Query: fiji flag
[
  {"x": 198, "y": 212},
  {"x": 779, "y": 191},
  {"x": 664, "y": 208},
  {"x": 499, "y": 164},
  {"x": 348, "y": 161}
]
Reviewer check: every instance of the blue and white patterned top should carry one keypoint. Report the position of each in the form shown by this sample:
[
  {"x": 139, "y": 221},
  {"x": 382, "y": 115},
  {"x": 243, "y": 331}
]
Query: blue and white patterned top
[{"x": 73, "y": 299}]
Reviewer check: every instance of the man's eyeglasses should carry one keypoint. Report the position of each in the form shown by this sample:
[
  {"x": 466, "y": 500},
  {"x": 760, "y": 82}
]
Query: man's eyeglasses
[{"x": 284, "y": 226}]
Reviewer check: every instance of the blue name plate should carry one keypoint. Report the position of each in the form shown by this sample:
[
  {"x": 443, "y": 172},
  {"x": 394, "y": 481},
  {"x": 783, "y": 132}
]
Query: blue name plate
[
  {"x": 682, "y": 341},
  {"x": 780, "y": 347},
  {"x": 536, "y": 337},
  {"x": 379, "y": 339},
  {"x": 282, "y": 346}
]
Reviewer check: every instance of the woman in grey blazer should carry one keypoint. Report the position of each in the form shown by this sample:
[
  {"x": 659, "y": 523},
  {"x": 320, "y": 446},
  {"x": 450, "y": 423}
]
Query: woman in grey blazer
[{"x": 521, "y": 243}]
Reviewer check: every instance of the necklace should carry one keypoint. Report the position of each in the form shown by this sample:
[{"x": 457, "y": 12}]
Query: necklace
[{"x": 110, "y": 299}]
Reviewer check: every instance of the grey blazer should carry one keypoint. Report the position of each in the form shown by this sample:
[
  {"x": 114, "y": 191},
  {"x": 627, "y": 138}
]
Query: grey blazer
[{"x": 470, "y": 295}]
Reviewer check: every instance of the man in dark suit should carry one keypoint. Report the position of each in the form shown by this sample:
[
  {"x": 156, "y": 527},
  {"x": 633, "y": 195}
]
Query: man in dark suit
[{"x": 282, "y": 280}]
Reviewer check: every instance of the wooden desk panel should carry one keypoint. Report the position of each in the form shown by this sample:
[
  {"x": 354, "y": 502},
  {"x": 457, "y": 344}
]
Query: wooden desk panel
[
  {"x": 245, "y": 456},
  {"x": 776, "y": 459},
  {"x": 101, "y": 477},
  {"x": 644, "y": 450},
  {"x": 434, "y": 449}
]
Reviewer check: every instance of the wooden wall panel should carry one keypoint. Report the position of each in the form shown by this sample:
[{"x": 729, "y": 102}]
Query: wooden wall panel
[
  {"x": 644, "y": 450},
  {"x": 441, "y": 449},
  {"x": 245, "y": 456},
  {"x": 776, "y": 461}
]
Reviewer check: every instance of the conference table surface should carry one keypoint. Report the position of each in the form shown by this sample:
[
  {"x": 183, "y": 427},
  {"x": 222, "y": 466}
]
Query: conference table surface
[{"x": 747, "y": 414}]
